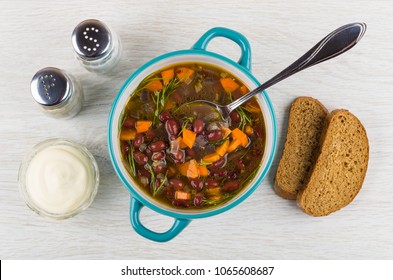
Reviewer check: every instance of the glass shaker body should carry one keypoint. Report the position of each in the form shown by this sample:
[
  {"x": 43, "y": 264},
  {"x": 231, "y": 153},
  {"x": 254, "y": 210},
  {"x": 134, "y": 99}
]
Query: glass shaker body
[
  {"x": 96, "y": 45},
  {"x": 58, "y": 94}
]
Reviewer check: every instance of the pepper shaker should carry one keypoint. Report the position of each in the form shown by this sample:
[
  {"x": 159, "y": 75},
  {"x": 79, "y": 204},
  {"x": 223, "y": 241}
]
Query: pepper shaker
[
  {"x": 57, "y": 92},
  {"x": 97, "y": 47}
]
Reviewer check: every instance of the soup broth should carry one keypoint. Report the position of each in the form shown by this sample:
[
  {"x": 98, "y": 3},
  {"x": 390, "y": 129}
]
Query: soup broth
[{"x": 190, "y": 159}]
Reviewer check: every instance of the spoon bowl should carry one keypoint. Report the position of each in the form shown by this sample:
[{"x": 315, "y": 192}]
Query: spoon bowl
[{"x": 205, "y": 110}]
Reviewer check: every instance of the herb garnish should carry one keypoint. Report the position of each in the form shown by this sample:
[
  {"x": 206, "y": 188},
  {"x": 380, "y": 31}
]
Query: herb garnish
[
  {"x": 161, "y": 97},
  {"x": 131, "y": 161},
  {"x": 244, "y": 119},
  {"x": 154, "y": 189},
  {"x": 223, "y": 198}
]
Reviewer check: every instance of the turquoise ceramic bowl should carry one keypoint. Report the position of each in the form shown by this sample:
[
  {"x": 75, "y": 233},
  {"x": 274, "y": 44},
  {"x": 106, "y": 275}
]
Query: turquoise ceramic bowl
[{"x": 198, "y": 53}]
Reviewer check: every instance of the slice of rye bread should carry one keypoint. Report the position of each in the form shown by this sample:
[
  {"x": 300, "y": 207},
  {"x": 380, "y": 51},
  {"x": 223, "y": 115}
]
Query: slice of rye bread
[
  {"x": 307, "y": 117},
  {"x": 340, "y": 167}
]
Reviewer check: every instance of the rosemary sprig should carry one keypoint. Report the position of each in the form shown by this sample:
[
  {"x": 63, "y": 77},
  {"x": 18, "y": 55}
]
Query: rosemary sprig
[
  {"x": 155, "y": 190},
  {"x": 153, "y": 176},
  {"x": 242, "y": 111},
  {"x": 161, "y": 97},
  {"x": 121, "y": 120},
  {"x": 223, "y": 198},
  {"x": 219, "y": 142},
  {"x": 185, "y": 122},
  {"x": 131, "y": 161},
  {"x": 249, "y": 177},
  {"x": 156, "y": 100},
  {"x": 244, "y": 119}
]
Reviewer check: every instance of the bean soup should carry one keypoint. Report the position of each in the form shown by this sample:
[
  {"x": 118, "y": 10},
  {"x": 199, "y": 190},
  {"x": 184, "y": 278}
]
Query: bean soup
[{"x": 190, "y": 159}]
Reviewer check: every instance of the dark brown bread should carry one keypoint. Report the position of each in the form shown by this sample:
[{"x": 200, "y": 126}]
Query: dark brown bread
[
  {"x": 340, "y": 168},
  {"x": 307, "y": 118}
]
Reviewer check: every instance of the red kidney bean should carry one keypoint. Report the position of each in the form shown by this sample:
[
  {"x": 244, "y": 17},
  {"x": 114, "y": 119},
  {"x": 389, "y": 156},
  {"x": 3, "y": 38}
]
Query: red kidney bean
[
  {"x": 220, "y": 173},
  {"x": 233, "y": 175},
  {"x": 172, "y": 171},
  {"x": 218, "y": 164},
  {"x": 197, "y": 184},
  {"x": 257, "y": 152},
  {"x": 140, "y": 158},
  {"x": 150, "y": 134},
  {"x": 258, "y": 132},
  {"x": 179, "y": 157},
  {"x": 159, "y": 168},
  {"x": 164, "y": 116},
  {"x": 214, "y": 135},
  {"x": 139, "y": 139},
  {"x": 211, "y": 183},
  {"x": 181, "y": 203},
  {"x": 172, "y": 127},
  {"x": 157, "y": 146},
  {"x": 178, "y": 97},
  {"x": 177, "y": 184},
  {"x": 240, "y": 164},
  {"x": 190, "y": 152},
  {"x": 231, "y": 186},
  {"x": 198, "y": 199},
  {"x": 129, "y": 123},
  {"x": 235, "y": 117},
  {"x": 170, "y": 193},
  {"x": 143, "y": 172},
  {"x": 198, "y": 126},
  {"x": 158, "y": 155},
  {"x": 125, "y": 147}
]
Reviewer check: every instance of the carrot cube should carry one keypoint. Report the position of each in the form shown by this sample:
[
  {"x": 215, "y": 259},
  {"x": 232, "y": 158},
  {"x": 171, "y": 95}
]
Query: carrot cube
[
  {"x": 167, "y": 75},
  {"x": 180, "y": 195},
  {"x": 229, "y": 84},
  {"x": 127, "y": 134},
  {"x": 154, "y": 85},
  {"x": 211, "y": 157}
]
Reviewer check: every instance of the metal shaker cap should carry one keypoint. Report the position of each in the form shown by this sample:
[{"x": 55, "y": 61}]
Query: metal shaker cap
[
  {"x": 50, "y": 86},
  {"x": 92, "y": 39}
]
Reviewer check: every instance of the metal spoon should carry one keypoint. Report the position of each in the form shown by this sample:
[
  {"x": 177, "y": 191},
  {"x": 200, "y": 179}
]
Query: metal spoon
[{"x": 334, "y": 44}]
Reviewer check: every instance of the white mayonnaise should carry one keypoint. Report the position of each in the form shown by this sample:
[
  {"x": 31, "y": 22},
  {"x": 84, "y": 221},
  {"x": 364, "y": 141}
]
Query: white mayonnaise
[{"x": 59, "y": 179}]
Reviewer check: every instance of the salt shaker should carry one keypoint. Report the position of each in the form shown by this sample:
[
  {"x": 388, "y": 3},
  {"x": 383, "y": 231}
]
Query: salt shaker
[
  {"x": 97, "y": 47},
  {"x": 57, "y": 92}
]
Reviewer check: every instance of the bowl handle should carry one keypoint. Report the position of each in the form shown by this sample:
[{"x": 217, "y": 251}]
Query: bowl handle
[
  {"x": 239, "y": 39},
  {"x": 178, "y": 225}
]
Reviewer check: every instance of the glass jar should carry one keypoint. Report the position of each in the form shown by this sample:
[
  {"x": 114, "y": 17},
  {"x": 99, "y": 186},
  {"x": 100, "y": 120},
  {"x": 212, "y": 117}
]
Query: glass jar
[
  {"x": 58, "y": 178},
  {"x": 96, "y": 45}
]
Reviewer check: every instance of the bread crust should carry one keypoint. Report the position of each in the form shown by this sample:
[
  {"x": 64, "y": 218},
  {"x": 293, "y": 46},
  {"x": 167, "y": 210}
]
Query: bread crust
[
  {"x": 309, "y": 204},
  {"x": 302, "y": 163}
]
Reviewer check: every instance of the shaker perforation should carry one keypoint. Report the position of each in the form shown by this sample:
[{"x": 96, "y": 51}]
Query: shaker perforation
[
  {"x": 56, "y": 92},
  {"x": 97, "y": 46}
]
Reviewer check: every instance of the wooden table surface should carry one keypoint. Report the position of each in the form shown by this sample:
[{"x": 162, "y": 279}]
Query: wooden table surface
[{"x": 36, "y": 34}]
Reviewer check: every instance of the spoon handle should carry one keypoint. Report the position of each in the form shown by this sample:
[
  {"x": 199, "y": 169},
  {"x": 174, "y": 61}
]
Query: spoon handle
[{"x": 334, "y": 44}]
